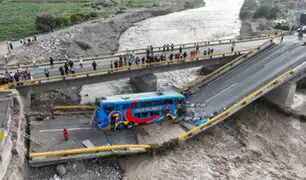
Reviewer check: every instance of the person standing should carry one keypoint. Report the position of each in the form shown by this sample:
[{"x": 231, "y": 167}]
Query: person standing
[
  {"x": 72, "y": 70},
  {"x": 151, "y": 48},
  {"x": 5, "y": 58},
  {"x": 65, "y": 134},
  {"x": 94, "y": 65},
  {"x": 116, "y": 64},
  {"x": 52, "y": 112},
  {"x": 81, "y": 62},
  {"x": 198, "y": 49},
  {"x": 51, "y": 62},
  {"x": 120, "y": 62},
  {"x": 46, "y": 71},
  {"x": 172, "y": 47},
  {"x": 125, "y": 60},
  {"x": 66, "y": 68},
  {"x": 233, "y": 45},
  {"x": 61, "y": 69},
  {"x": 70, "y": 63},
  {"x": 180, "y": 49},
  {"x": 111, "y": 65}
]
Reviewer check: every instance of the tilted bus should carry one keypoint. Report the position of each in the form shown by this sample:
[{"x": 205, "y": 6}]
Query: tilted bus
[{"x": 137, "y": 109}]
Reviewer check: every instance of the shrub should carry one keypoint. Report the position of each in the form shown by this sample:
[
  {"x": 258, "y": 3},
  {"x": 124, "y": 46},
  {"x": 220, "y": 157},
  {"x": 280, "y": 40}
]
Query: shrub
[
  {"x": 266, "y": 11},
  {"x": 84, "y": 46},
  {"x": 45, "y": 23}
]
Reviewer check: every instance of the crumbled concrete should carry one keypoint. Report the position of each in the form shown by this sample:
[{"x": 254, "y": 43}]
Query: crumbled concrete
[
  {"x": 61, "y": 170},
  {"x": 88, "y": 169}
]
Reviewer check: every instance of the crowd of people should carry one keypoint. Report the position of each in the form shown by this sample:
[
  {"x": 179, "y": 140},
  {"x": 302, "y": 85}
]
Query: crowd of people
[
  {"x": 19, "y": 75},
  {"x": 129, "y": 58}
]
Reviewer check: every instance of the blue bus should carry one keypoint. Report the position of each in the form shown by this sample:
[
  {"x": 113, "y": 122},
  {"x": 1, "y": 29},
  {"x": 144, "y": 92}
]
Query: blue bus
[{"x": 119, "y": 111}]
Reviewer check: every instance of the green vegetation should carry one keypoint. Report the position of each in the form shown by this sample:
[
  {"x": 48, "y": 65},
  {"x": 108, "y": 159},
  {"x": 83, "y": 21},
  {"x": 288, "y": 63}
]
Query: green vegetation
[
  {"x": 247, "y": 9},
  {"x": 192, "y": 4},
  {"x": 23, "y": 19},
  {"x": 18, "y": 19},
  {"x": 264, "y": 9},
  {"x": 47, "y": 23}
]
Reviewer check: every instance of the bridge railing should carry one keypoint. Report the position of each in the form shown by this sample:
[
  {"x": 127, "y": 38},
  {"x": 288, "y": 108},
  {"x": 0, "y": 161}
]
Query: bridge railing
[
  {"x": 240, "y": 58},
  {"x": 126, "y": 68},
  {"x": 90, "y": 150},
  {"x": 90, "y": 57},
  {"x": 234, "y": 107}
]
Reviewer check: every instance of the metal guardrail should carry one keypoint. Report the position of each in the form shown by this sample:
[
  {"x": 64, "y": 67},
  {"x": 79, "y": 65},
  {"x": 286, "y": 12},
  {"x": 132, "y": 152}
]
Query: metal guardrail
[
  {"x": 114, "y": 70},
  {"x": 108, "y": 55},
  {"x": 89, "y": 150},
  {"x": 240, "y": 103},
  {"x": 73, "y": 107},
  {"x": 197, "y": 81}
]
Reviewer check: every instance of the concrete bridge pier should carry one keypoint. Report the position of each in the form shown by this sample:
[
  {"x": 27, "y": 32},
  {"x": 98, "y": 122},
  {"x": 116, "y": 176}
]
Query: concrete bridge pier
[
  {"x": 145, "y": 83},
  {"x": 283, "y": 95},
  {"x": 25, "y": 96}
]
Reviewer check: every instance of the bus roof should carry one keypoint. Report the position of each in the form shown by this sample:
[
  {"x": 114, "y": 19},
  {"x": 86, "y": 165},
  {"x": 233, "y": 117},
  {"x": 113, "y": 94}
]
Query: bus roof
[{"x": 141, "y": 97}]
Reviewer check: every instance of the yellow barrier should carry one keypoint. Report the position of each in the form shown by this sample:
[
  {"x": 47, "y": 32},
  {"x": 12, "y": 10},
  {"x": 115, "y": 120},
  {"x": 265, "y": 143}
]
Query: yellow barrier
[
  {"x": 193, "y": 83},
  {"x": 72, "y": 113},
  {"x": 4, "y": 87},
  {"x": 181, "y": 137},
  {"x": 89, "y": 150},
  {"x": 1, "y": 134},
  {"x": 75, "y": 107},
  {"x": 128, "y": 67}
]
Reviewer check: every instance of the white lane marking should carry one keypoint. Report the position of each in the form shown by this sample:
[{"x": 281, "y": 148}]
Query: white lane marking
[
  {"x": 221, "y": 92},
  {"x": 69, "y": 129},
  {"x": 277, "y": 58}
]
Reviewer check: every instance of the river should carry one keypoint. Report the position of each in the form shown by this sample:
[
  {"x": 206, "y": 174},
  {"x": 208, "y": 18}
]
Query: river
[{"x": 217, "y": 20}]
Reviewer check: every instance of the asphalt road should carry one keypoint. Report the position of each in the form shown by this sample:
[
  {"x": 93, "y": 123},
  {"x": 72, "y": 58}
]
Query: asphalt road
[
  {"x": 248, "y": 77},
  {"x": 105, "y": 63}
]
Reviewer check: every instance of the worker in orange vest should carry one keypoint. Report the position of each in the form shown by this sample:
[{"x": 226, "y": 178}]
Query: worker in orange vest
[
  {"x": 52, "y": 112},
  {"x": 65, "y": 133}
]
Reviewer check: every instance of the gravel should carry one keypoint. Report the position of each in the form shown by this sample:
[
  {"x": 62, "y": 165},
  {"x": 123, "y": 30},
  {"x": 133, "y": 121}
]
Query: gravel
[{"x": 88, "y": 169}]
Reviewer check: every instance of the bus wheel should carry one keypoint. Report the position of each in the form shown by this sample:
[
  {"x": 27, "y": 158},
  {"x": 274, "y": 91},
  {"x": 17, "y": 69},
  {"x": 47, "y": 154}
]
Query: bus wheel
[
  {"x": 130, "y": 125},
  {"x": 168, "y": 118},
  {"x": 120, "y": 126}
]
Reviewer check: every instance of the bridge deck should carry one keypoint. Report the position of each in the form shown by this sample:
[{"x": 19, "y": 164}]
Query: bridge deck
[
  {"x": 49, "y": 133},
  {"x": 243, "y": 80}
]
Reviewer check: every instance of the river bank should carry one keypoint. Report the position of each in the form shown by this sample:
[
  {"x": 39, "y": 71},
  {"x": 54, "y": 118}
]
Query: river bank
[{"x": 98, "y": 36}]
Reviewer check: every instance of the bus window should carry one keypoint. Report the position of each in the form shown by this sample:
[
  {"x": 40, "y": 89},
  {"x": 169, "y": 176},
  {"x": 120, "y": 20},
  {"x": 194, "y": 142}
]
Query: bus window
[
  {"x": 145, "y": 104},
  {"x": 137, "y": 115},
  {"x": 135, "y": 105},
  {"x": 126, "y": 106},
  {"x": 108, "y": 108},
  {"x": 155, "y": 113},
  {"x": 168, "y": 101},
  {"x": 145, "y": 114},
  {"x": 158, "y": 103}
]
